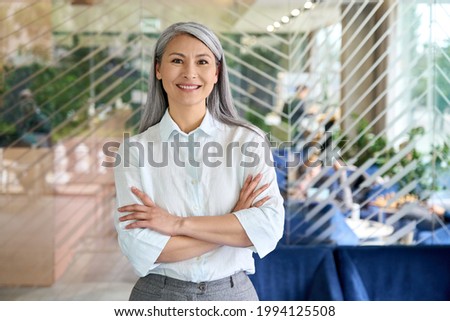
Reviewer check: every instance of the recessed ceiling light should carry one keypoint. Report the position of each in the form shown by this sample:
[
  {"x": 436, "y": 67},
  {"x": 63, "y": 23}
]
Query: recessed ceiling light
[
  {"x": 284, "y": 19},
  {"x": 295, "y": 12},
  {"x": 308, "y": 5},
  {"x": 270, "y": 28},
  {"x": 276, "y": 24}
]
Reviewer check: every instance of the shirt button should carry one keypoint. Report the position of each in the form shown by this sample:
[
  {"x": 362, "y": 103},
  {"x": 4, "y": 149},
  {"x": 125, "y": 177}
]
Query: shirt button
[
  {"x": 194, "y": 182},
  {"x": 202, "y": 286},
  {"x": 195, "y": 207}
]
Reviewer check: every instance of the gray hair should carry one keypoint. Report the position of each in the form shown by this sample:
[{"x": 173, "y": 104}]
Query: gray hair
[{"x": 219, "y": 102}]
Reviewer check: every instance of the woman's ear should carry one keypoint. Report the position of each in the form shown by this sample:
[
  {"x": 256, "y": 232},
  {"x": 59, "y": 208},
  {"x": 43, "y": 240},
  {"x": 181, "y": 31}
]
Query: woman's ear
[
  {"x": 217, "y": 73},
  {"x": 158, "y": 74}
]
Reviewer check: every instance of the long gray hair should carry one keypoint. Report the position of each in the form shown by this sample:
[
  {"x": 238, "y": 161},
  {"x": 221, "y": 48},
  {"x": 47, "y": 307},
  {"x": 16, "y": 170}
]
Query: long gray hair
[{"x": 219, "y": 102}]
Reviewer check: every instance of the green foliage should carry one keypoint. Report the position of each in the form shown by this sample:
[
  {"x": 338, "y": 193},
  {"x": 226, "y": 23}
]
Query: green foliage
[
  {"x": 63, "y": 91},
  {"x": 429, "y": 166},
  {"x": 8, "y": 133},
  {"x": 257, "y": 121},
  {"x": 374, "y": 148},
  {"x": 253, "y": 53}
]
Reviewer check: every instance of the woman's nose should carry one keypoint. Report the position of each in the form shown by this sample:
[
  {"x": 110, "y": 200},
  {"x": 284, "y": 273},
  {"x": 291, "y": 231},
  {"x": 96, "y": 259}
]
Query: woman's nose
[{"x": 190, "y": 71}]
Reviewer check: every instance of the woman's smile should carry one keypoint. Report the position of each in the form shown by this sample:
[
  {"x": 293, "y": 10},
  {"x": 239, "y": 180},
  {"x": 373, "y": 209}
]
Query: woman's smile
[
  {"x": 188, "y": 87},
  {"x": 188, "y": 71}
]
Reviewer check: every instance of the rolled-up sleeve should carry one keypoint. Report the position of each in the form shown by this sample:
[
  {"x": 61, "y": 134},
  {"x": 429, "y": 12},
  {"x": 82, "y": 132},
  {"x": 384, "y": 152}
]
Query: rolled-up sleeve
[
  {"x": 142, "y": 247},
  {"x": 264, "y": 225}
]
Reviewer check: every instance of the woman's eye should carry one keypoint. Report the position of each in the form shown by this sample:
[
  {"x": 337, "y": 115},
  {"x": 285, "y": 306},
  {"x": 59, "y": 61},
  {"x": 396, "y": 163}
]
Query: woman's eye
[
  {"x": 203, "y": 62},
  {"x": 177, "y": 61}
]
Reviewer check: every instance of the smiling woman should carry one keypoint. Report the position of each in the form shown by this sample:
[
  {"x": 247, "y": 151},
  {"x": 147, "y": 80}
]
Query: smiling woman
[
  {"x": 189, "y": 228},
  {"x": 188, "y": 71}
]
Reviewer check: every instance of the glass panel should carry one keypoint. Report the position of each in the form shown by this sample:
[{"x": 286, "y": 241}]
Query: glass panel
[{"x": 354, "y": 96}]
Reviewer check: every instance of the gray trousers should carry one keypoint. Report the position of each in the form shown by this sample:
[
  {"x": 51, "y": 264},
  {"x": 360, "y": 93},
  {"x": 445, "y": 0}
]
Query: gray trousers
[{"x": 155, "y": 287}]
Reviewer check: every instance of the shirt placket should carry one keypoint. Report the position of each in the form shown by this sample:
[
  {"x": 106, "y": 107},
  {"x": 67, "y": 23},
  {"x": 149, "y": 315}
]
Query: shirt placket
[{"x": 193, "y": 169}]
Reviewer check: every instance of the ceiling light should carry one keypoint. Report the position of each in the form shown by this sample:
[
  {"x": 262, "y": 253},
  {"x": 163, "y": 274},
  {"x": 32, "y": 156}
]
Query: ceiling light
[
  {"x": 308, "y": 4},
  {"x": 284, "y": 19},
  {"x": 270, "y": 28},
  {"x": 295, "y": 12},
  {"x": 276, "y": 24}
]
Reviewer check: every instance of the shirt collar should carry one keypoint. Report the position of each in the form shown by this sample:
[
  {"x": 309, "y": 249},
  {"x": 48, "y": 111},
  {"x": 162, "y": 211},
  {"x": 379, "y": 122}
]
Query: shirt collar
[{"x": 167, "y": 126}]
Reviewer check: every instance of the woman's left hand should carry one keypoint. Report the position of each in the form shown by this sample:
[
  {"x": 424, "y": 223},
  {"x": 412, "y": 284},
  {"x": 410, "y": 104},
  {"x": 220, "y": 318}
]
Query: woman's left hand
[{"x": 149, "y": 215}]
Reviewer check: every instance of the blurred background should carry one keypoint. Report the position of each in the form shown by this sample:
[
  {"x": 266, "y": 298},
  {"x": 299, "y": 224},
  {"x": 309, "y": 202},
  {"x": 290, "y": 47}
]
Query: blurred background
[{"x": 359, "y": 88}]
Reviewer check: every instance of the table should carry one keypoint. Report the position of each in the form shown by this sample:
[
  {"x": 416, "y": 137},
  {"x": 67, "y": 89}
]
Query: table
[{"x": 369, "y": 230}]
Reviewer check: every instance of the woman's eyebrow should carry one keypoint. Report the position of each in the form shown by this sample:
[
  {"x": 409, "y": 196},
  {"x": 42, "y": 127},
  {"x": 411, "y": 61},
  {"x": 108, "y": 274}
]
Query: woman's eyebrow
[{"x": 183, "y": 55}]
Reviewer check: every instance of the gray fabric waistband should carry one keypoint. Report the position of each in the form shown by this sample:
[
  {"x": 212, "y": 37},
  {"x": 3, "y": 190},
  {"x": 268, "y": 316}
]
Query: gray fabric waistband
[{"x": 192, "y": 287}]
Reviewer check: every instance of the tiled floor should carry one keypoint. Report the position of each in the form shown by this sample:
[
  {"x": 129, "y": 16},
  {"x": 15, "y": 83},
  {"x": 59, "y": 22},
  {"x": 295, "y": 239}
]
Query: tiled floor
[{"x": 98, "y": 272}]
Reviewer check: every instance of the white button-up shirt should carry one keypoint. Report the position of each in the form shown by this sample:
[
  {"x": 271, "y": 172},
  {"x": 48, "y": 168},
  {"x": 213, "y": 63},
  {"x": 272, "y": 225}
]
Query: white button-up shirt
[{"x": 197, "y": 174}]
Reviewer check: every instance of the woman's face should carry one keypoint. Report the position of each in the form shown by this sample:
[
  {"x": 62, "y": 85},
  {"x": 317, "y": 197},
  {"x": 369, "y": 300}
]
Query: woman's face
[{"x": 188, "y": 72}]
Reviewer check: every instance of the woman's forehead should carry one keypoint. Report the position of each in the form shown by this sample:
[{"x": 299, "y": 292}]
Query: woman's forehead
[{"x": 185, "y": 44}]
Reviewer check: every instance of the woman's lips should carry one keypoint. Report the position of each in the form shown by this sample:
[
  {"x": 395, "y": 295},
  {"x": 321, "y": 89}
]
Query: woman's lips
[{"x": 188, "y": 87}]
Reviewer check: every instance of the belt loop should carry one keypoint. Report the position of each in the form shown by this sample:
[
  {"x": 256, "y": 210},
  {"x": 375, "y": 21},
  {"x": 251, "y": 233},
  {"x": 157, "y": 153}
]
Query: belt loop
[
  {"x": 165, "y": 281},
  {"x": 231, "y": 281}
]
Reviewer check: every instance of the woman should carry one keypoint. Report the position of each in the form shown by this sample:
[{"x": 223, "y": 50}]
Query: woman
[{"x": 195, "y": 194}]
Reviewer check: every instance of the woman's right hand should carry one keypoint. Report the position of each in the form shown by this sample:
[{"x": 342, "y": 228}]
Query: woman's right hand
[{"x": 249, "y": 193}]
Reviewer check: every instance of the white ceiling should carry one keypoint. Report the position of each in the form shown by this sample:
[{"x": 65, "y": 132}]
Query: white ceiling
[{"x": 220, "y": 15}]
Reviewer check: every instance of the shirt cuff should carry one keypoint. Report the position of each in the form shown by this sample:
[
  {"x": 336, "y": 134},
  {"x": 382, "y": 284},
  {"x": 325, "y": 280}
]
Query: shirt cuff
[
  {"x": 142, "y": 248},
  {"x": 263, "y": 233}
]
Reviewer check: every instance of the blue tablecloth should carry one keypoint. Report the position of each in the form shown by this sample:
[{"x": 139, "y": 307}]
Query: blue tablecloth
[
  {"x": 297, "y": 273},
  {"x": 293, "y": 273},
  {"x": 394, "y": 272}
]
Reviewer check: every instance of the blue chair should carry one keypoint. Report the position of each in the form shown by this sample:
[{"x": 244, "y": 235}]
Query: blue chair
[
  {"x": 316, "y": 223},
  {"x": 280, "y": 164},
  {"x": 440, "y": 236}
]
